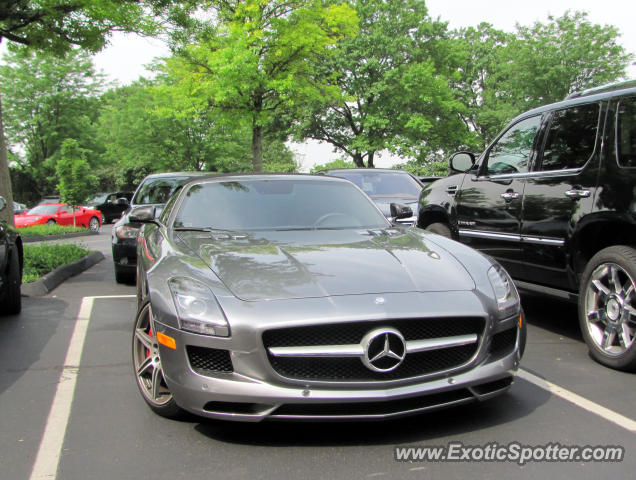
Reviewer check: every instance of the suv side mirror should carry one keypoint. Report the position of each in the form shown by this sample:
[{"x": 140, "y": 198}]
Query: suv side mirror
[
  {"x": 143, "y": 215},
  {"x": 3, "y": 203},
  {"x": 462, "y": 161},
  {"x": 399, "y": 211},
  {"x": 122, "y": 201}
]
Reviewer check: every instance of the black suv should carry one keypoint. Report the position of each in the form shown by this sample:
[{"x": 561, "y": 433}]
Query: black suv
[
  {"x": 111, "y": 204},
  {"x": 11, "y": 261},
  {"x": 153, "y": 190},
  {"x": 553, "y": 199}
]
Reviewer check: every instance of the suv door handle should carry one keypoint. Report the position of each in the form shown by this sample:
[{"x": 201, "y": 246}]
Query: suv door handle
[
  {"x": 576, "y": 193},
  {"x": 509, "y": 196}
]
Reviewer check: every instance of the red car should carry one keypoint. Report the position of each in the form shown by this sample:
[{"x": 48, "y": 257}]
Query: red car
[{"x": 60, "y": 214}]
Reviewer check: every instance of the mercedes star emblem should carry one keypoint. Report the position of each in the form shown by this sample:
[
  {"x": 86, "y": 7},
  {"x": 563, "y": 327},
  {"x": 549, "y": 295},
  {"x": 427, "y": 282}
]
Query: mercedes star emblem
[{"x": 384, "y": 349}]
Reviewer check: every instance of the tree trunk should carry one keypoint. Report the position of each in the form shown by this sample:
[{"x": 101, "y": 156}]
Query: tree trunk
[
  {"x": 5, "y": 179},
  {"x": 370, "y": 159},
  {"x": 257, "y": 148},
  {"x": 357, "y": 159}
]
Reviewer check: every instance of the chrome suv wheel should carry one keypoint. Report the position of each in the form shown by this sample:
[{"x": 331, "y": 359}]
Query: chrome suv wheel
[
  {"x": 607, "y": 307},
  {"x": 147, "y": 366}
]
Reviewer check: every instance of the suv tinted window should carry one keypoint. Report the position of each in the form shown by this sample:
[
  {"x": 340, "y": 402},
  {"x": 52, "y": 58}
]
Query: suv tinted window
[
  {"x": 626, "y": 132},
  {"x": 513, "y": 151},
  {"x": 571, "y": 137}
]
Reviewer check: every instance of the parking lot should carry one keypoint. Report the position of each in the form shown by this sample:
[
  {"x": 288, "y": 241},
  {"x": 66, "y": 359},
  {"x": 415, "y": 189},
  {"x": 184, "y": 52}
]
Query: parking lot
[{"x": 101, "y": 428}]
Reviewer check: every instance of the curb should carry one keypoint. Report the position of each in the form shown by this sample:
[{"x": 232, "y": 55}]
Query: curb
[
  {"x": 44, "y": 238},
  {"x": 48, "y": 282}
]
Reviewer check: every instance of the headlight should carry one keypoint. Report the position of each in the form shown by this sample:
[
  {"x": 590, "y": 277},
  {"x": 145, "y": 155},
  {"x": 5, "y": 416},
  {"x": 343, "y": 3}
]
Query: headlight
[
  {"x": 126, "y": 231},
  {"x": 197, "y": 308},
  {"x": 505, "y": 292}
]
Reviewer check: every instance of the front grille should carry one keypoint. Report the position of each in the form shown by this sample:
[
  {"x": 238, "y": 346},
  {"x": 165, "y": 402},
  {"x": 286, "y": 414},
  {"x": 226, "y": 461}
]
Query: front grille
[
  {"x": 205, "y": 361},
  {"x": 503, "y": 343},
  {"x": 352, "y": 369}
]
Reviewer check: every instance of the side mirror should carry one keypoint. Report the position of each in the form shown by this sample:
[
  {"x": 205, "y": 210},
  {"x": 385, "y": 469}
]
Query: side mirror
[
  {"x": 122, "y": 201},
  {"x": 3, "y": 203},
  {"x": 462, "y": 162},
  {"x": 399, "y": 211},
  {"x": 143, "y": 215}
]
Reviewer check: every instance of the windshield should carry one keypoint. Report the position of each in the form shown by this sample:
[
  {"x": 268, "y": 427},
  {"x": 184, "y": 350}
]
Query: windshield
[
  {"x": 277, "y": 204},
  {"x": 43, "y": 210},
  {"x": 157, "y": 190},
  {"x": 383, "y": 184},
  {"x": 97, "y": 199}
]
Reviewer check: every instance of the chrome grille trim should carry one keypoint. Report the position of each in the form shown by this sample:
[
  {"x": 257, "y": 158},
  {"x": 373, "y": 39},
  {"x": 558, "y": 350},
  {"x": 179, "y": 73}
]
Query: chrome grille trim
[{"x": 357, "y": 350}]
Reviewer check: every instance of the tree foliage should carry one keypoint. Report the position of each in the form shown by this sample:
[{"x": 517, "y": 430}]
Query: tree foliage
[
  {"x": 506, "y": 74},
  {"x": 52, "y": 98},
  {"x": 393, "y": 80},
  {"x": 76, "y": 182},
  {"x": 56, "y": 25},
  {"x": 256, "y": 61}
]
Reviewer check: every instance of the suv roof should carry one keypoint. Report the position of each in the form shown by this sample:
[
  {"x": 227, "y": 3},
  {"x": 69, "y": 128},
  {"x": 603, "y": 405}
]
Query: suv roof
[{"x": 609, "y": 87}]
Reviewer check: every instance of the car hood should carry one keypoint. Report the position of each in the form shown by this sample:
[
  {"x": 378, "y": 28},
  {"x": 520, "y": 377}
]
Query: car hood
[
  {"x": 384, "y": 203},
  {"x": 304, "y": 264},
  {"x": 20, "y": 220}
]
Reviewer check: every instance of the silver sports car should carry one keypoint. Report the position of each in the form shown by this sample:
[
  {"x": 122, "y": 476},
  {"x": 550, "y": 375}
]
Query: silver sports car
[{"x": 293, "y": 297}]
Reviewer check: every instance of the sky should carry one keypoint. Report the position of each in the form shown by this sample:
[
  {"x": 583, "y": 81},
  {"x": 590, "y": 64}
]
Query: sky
[{"x": 124, "y": 59}]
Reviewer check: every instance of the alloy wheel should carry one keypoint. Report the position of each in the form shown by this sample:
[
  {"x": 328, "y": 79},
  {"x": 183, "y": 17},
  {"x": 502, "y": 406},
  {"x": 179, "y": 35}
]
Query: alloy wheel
[{"x": 610, "y": 309}]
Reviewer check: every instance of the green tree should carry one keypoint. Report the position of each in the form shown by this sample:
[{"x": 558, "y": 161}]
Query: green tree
[
  {"x": 76, "y": 182},
  {"x": 255, "y": 60},
  {"x": 506, "y": 74},
  {"x": 393, "y": 80},
  {"x": 337, "y": 163},
  {"x": 56, "y": 25},
  {"x": 52, "y": 98},
  {"x": 143, "y": 131}
]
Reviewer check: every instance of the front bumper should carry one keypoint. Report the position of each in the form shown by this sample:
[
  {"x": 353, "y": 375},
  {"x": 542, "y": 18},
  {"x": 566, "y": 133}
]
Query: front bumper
[
  {"x": 249, "y": 392},
  {"x": 125, "y": 253}
]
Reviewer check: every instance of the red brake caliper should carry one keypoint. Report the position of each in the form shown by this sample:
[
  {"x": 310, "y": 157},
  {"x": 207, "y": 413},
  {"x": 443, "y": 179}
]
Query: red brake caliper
[{"x": 148, "y": 350}]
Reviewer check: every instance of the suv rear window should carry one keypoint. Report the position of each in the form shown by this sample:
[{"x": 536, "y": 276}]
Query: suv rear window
[
  {"x": 571, "y": 137},
  {"x": 626, "y": 132}
]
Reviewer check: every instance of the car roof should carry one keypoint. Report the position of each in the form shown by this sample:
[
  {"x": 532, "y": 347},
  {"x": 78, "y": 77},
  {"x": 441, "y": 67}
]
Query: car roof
[
  {"x": 262, "y": 176},
  {"x": 580, "y": 99},
  {"x": 366, "y": 170}
]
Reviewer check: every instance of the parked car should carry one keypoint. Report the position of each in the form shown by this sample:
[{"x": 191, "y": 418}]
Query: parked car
[
  {"x": 385, "y": 186},
  {"x": 293, "y": 297},
  {"x": 50, "y": 199},
  {"x": 553, "y": 200},
  {"x": 19, "y": 208},
  {"x": 11, "y": 263},
  {"x": 153, "y": 190},
  {"x": 111, "y": 204},
  {"x": 60, "y": 214}
]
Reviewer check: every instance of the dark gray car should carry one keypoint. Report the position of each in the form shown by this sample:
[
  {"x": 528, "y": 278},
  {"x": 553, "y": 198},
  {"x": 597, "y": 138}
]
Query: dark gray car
[{"x": 293, "y": 297}]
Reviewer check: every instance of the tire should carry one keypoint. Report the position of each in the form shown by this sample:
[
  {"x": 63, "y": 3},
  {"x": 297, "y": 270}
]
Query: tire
[
  {"x": 607, "y": 307},
  {"x": 93, "y": 224},
  {"x": 440, "y": 228},
  {"x": 122, "y": 276},
  {"x": 147, "y": 367},
  {"x": 51, "y": 222},
  {"x": 12, "y": 303}
]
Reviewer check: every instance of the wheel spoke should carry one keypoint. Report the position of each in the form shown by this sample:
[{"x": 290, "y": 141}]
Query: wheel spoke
[
  {"x": 628, "y": 293},
  {"x": 602, "y": 290},
  {"x": 613, "y": 271},
  {"x": 594, "y": 317},
  {"x": 145, "y": 366},
  {"x": 145, "y": 339},
  {"x": 608, "y": 338},
  {"x": 631, "y": 315},
  {"x": 626, "y": 337},
  {"x": 157, "y": 377}
]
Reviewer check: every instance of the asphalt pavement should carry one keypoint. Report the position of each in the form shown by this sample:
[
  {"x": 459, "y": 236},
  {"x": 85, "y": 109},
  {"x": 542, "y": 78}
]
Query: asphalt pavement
[{"x": 105, "y": 431}]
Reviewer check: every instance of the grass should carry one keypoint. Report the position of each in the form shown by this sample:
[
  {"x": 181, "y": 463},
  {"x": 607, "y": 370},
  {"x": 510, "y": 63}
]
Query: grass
[
  {"x": 44, "y": 230},
  {"x": 41, "y": 259}
]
